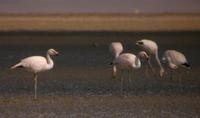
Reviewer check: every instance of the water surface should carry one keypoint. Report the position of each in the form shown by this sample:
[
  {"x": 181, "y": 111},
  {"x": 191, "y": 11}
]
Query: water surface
[{"x": 80, "y": 85}]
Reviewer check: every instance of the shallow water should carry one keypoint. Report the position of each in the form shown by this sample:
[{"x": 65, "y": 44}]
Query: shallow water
[{"x": 80, "y": 85}]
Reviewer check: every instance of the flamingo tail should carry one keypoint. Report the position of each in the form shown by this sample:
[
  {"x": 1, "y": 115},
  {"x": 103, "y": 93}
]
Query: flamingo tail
[
  {"x": 187, "y": 65},
  {"x": 16, "y": 66}
]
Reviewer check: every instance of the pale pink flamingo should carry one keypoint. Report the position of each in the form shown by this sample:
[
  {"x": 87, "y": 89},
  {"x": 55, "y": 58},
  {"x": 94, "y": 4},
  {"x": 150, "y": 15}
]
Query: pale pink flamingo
[
  {"x": 126, "y": 62},
  {"x": 151, "y": 48},
  {"x": 37, "y": 64},
  {"x": 175, "y": 59},
  {"x": 115, "y": 49}
]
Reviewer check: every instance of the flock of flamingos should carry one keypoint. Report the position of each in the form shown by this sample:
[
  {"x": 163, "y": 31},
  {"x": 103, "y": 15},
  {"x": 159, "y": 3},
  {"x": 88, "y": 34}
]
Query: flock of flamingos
[{"x": 121, "y": 62}]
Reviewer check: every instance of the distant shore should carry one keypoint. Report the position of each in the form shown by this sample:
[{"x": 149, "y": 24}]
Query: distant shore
[{"x": 99, "y": 22}]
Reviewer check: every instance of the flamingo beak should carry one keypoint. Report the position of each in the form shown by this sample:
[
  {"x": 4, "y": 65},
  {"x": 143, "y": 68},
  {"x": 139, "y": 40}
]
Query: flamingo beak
[
  {"x": 161, "y": 73},
  {"x": 138, "y": 43}
]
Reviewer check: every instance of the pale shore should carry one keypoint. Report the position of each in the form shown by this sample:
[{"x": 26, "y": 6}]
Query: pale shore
[{"x": 99, "y": 22}]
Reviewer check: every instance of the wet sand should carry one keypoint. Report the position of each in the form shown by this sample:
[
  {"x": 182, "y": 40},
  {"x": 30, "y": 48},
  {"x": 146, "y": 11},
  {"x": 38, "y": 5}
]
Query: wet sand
[{"x": 80, "y": 85}]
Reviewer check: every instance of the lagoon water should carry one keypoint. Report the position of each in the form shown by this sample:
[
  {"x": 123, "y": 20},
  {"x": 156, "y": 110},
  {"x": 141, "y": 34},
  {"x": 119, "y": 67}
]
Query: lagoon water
[{"x": 80, "y": 85}]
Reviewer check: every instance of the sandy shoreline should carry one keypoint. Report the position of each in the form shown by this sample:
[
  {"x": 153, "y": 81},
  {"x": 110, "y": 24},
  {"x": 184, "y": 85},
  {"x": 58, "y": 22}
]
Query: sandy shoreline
[{"x": 101, "y": 22}]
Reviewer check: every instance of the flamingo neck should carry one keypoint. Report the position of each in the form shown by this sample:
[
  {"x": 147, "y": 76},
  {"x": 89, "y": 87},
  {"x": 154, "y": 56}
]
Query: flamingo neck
[
  {"x": 116, "y": 55},
  {"x": 114, "y": 68},
  {"x": 137, "y": 63},
  {"x": 158, "y": 61},
  {"x": 50, "y": 63}
]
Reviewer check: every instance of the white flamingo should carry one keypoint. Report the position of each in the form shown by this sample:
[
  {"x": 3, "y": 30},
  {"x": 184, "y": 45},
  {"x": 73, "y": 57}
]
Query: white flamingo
[
  {"x": 151, "y": 48},
  {"x": 116, "y": 49},
  {"x": 37, "y": 64},
  {"x": 126, "y": 61},
  {"x": 175, "y": 59},
  {"x": 144, "y": 58}
]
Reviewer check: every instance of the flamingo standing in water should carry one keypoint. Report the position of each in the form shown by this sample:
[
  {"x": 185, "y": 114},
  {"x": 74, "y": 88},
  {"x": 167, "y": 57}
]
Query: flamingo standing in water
[
  {"x": 175, "y": 59},
  {"x": 116, "y": 49},
  {"x": 144, "y": 58},
  {"x": 37, "y": 64},
  {"x": 126, "y": 61},
  {"x": 151, "y": 48}
]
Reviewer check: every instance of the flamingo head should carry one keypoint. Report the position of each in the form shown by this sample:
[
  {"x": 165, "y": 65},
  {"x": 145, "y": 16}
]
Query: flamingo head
[
  {"x": 140, "y": 43},
  {"x": 143, "y": 55},
  {"x": 52, "y": 52}
]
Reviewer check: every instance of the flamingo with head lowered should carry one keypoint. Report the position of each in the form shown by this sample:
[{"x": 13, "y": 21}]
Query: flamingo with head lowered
[
  {"x": 145, "y": 61},
  {"x": 151, "y": 48},
  {"x": 126, "y": 62},
  {"x": 175, "y": 59},
  {"x": 37, "y": 64}
]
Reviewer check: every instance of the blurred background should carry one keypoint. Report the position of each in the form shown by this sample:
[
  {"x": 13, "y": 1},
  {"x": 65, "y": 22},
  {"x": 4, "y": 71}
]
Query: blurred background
[{"x": 96, "y": 6}]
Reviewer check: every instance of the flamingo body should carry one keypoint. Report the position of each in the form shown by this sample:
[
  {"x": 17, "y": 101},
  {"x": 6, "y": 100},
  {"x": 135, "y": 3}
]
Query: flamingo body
[
  {"x": 116, "y": 48},
  {"x": 175, "y": 59},
  {"x": 127, "y": 61},
  {"x": 35, "y": 64}
]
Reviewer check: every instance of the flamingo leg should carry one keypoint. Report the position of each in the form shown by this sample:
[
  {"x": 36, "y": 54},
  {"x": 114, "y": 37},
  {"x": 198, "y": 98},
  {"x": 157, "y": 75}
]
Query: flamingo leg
[
  {"x": 146, "y": 70},
  {"x": 114, "y": 71},
  {"x": 180, "y": 81},
  {"x": 171, "y": 74},
  {"x": 151, "y": 67},
  {"x": 35, "y": 86},
  {"x": 180, "y": 76},
  {"x": 129, "y": 76},
  {"x": 161, "y": 67},
  {"x": 122, "y": 82}
]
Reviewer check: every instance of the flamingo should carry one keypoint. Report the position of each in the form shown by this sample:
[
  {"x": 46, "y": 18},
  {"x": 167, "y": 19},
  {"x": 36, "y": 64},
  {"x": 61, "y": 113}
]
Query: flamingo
[
  {"x": 116, "y": 49},
  {"x": 151, "y": 48},
  {"x": 144, "y": 58},
  {"x": 126, "y": 61},
  {"x": 37, "y": 64},
  {"x": 175, "y": 59}
]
